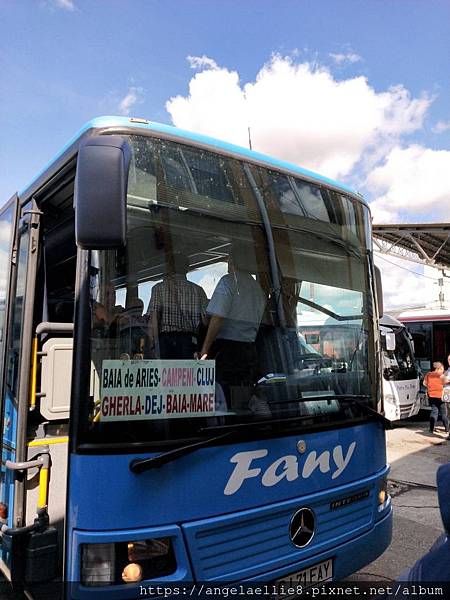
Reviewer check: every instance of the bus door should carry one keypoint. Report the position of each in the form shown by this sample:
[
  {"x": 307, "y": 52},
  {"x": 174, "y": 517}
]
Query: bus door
[
  {"x": 441, "y": 342},
  {"x": 15, "y": 389},
  {"x": 9, "y": 420}
]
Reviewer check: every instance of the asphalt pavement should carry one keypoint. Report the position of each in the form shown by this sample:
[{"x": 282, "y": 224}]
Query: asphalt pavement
[{"x": 415, "y": 456}]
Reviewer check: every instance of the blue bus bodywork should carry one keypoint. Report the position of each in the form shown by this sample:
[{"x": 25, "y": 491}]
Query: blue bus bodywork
[
  {"x": 242, "y": 536},
  {"x": 226, "y": 509}
]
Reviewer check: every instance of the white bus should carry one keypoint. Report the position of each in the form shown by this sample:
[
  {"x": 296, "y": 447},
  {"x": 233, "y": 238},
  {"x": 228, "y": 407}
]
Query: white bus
[
  {"x": 334, "y": 340},
  {"x": 401, "y": 377}
]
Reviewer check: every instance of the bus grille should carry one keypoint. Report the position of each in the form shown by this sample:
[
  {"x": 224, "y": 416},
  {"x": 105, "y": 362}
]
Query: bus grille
[
  {"x": 245, "y": 544},
  {"x": 405, "y": 409}
]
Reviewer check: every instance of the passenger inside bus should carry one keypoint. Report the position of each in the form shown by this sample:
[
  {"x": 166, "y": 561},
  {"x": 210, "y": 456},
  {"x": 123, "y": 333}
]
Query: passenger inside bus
[
  {"x": 235, "y": 310},
  {"x": 131, "y": 326},
  {"x": 177, "y": 312},
  {"x": 106, "y": 311}
]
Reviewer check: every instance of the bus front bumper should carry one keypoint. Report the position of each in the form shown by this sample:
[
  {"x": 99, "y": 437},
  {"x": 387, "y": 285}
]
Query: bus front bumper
[{"x": 346, "y": 558}]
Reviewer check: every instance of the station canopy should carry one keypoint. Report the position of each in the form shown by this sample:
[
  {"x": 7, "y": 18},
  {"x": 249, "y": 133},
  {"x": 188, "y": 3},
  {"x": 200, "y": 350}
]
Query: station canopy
[{"x": 424, "y": 243}]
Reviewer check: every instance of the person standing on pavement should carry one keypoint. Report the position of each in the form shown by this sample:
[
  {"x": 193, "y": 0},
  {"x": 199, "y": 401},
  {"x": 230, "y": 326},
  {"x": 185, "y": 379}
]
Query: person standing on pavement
[
  {"x": 446, "y": 379},
  {"x": 446, "y": 391},
  {"x": 434, "y": 382}
]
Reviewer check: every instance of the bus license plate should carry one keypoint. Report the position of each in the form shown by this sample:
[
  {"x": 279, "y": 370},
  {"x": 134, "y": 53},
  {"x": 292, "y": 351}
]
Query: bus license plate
[{"x": 313, "y": 575}]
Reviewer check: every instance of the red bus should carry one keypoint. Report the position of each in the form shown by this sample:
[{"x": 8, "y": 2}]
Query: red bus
[{"x": 430, "y": 330}]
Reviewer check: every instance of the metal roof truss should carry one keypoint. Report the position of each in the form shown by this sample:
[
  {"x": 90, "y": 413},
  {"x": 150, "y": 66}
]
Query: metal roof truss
[{"x": 427, "y": 244}]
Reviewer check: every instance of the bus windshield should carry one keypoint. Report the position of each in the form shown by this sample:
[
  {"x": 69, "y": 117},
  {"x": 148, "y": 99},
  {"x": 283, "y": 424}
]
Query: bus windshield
[
  {"x": 398, "y": 364},
  {"x": 197, "y": 323}
]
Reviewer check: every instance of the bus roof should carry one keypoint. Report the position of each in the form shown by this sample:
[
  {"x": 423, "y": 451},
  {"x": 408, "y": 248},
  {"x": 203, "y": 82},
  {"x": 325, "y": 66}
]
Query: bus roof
[
  {"x": 423, "y": 314},
  {"x": 389, "y": 321},
  {"x": 134, "y": 125}
]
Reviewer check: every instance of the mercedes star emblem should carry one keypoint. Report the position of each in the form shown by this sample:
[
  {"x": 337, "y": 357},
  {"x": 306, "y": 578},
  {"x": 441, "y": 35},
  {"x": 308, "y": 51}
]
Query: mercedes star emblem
[{"x": 302, "y": 527}]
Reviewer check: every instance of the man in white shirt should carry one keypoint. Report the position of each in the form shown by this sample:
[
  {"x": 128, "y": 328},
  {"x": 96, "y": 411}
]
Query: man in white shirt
[{"x": 235, "y": 310}]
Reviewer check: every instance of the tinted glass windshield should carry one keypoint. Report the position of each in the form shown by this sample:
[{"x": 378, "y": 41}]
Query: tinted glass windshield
[
  {"x": 398, "y": 364},
  {"x": 201, "y": 321},
  {"x": 422, "y": 334}
]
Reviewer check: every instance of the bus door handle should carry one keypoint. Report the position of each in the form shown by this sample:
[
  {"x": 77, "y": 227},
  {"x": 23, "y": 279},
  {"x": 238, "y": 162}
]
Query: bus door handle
[
  {"x": 32, "y": 548},
  {"x": 40, "y": 461}
]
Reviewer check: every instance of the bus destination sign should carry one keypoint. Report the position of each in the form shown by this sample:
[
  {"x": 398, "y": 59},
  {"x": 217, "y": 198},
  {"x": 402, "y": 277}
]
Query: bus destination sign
[{"x": 156, "y": 389}]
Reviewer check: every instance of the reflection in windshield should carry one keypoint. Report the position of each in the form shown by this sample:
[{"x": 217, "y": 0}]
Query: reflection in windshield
[{"x": 198, "y": 323}]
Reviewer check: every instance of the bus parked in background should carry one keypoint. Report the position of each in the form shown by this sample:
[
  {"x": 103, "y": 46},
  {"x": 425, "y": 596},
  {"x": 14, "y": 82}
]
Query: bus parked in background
[
  {"x": 335, "y": 341},
  {"x": 430, "y": 331},
  {"x": 401, "y": 377},
  {"x": 126, "y": 464}
]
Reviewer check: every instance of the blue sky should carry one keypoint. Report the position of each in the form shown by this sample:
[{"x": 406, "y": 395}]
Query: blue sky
[{"x": 358, "y": 90}]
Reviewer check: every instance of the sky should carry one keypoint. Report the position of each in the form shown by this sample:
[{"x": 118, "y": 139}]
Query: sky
[{"x": 355, "y": 90}]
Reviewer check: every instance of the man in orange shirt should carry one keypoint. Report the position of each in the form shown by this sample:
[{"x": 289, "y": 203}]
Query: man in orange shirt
[{"x": 434, "y": 384}]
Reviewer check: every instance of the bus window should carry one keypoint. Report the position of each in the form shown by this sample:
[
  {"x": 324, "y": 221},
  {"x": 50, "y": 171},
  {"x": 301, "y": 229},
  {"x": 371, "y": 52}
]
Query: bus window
[
  {"x": 312, "y": 200},
  {"x": 319, "y": 277},
  {"x": 422, "y": 336},
  {"x": 6, "y": 238},
  {"x": 287, "y": 195},
  {"x": 399, "y": 363},
  {"x": 210, "y": 175}
]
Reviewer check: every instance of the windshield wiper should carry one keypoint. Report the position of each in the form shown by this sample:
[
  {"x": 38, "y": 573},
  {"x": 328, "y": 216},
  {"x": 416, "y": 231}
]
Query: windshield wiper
[
  {"x": 139, "y": 465},
  {"x": 356, "y": 399},
  {"x": 351, "y": 399}
]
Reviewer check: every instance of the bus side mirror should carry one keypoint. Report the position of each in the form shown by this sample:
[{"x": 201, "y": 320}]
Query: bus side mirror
[
  {"x": 100, "y": 195},
  {"x": 379, "y": 292},
  {"x": 390, "y": 341}
]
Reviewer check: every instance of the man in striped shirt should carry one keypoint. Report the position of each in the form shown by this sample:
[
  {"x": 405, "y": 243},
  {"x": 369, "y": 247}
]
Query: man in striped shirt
[{"x": 177, "y": 311}]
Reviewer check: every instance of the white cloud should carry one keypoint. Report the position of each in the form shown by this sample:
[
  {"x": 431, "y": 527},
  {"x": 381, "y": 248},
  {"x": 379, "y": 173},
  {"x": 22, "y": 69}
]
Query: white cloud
[
  {"x": 411, "y": 181},
  {"x": 198, "y": 62},
  {"x": 64, "y": 4},
  {"x": 381, "y": 214},
  {"x": 132, "y": 97},
  {"x": 350, "y": 57},
  {"x": 404, "y": 283},
  {"x": 441, "y": 126},
  {"x": 298, "y": 112}
]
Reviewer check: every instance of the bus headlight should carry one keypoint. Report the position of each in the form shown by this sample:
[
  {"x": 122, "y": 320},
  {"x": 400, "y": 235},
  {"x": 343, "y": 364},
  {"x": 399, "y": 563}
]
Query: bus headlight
[
  {"x": 383, "y": 494},
  {"x": 389, "y": 398},
  {"x": 132, "y": 573},
  {"x": 126, "y": 562}
]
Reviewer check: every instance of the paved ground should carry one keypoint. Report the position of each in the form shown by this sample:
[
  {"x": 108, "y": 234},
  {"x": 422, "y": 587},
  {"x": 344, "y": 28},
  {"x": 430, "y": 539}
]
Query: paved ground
[{"x": 415, "y": 456}]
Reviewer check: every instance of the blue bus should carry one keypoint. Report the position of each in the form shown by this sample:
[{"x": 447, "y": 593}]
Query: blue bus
[{"x": 163, "y": 418}]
